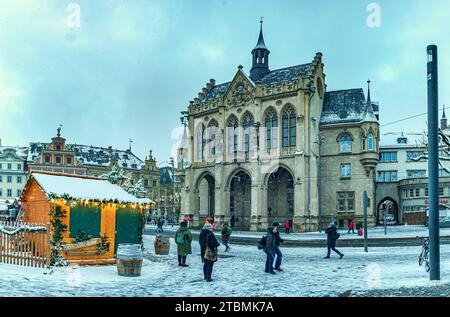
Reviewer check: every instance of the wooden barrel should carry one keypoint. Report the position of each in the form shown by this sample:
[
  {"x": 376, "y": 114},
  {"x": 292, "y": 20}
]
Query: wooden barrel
[
  {"x": 162, "y": 245},
  {"x": 129, "y": 259}
]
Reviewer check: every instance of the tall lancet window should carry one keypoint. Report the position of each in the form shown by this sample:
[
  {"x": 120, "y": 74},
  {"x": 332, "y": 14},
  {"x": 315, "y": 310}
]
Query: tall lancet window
[
  {"x": 288, "y": 122},
  {"x": 271, "y": 125},
  {"x": 370, "y": 141},
  {"x": 212, "y": 131},
  {"x": 248, "y": 125},
  {"x": 233, "y": 134},
  {"x": 200, "y": 142}
]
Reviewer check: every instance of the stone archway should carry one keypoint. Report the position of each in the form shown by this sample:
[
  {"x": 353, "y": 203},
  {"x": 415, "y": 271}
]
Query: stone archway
[
  {"x": 389, "y": 206},
  {"x": 206, "y": 196},
  {"x": 240, "y": 200},
  {"x": 280, "y": 195}
]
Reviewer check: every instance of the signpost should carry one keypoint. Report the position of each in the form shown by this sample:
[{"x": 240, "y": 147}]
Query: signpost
[
  {"x": 366, "y": 203},
  {"x": 433, "y": 161}
]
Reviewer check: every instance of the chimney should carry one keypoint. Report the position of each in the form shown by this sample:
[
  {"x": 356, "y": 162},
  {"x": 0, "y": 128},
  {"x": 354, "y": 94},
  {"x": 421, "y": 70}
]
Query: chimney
[
  {"x": 205, "y": 91},
  {"x": 212, "y": 82}
]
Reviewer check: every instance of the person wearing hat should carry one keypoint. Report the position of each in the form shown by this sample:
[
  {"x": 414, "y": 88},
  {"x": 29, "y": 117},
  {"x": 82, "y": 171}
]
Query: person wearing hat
[
  {"x": 277, "y": 250},
  {"x": 208, "y": 250},
  {"x": 332, "y": 236},
  {"x": 183, "y": 239}
]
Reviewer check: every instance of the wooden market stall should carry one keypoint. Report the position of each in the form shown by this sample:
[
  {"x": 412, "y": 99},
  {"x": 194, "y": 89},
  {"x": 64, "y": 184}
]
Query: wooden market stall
[{"x": 89, "y": 217}]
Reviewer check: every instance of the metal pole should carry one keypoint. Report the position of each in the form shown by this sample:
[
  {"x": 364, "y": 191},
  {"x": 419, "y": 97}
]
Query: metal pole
[
  {"x": 172, "y": 162},
  {"x": 365, "y": 204},
  {"x": 319, "y": 188},
  {"x": 384, "y": 217},
  {"x": 433, "y": 162},
  {"x": 311, "y": 94}
]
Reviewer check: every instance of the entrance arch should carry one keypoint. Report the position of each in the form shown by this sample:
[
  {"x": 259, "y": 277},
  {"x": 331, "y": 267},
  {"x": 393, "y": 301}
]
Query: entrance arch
[
  {"x": 206, "y": 189},
  {"x": 280, "y": 195},
  {"x": 389, "y": 206},
  {"x": 240, "y": 199}
]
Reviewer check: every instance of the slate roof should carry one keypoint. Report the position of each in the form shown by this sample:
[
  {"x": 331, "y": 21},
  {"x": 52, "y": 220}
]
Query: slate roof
[
  {"x": 92, "y": 155},
  {"x": 273, "y": 77},
  {"x": 343, "y": 106},
  {"x": 20, "y": 150},
  {"x": 284, "y": 74},
  {"x": 216, "y": 91}
]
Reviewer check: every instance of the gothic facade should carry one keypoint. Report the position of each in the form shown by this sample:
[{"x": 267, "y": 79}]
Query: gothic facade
[{"x": 275, "y": 145}]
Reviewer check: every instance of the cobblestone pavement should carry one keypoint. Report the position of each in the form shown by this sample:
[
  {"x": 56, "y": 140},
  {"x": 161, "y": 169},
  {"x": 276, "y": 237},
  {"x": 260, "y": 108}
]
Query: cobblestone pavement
[{"x": 442, "y": 290}]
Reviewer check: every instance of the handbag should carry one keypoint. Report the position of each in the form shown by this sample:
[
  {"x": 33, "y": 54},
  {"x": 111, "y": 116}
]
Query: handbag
[{"x": 210, "y": 254}]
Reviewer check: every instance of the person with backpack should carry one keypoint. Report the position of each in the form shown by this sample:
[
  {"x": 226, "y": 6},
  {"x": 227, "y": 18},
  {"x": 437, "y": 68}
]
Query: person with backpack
[
  {"x": 183, "y": 239},
  {"x": 268, "y": 245},
  {"x": 332, "y": 236},
  {"x": 278, "y": 242},
  {"x": 208, "y": 250},
  {"x": 226, "y": 233}
]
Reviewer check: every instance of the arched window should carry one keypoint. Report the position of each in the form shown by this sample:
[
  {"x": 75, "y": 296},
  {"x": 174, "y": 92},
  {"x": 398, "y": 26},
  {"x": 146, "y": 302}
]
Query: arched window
[
  {"x": 233, "y": 134},
  {"x": 200, "y": 141},
  {"x": 345, "y": 143},
  {"x": 213, "y": 129},
  {"x": 271, "y": 125},
  {"x": 248, "y": 125},
  {"x": 370, "y": 141},
  {"x": 288, "y": 125}
]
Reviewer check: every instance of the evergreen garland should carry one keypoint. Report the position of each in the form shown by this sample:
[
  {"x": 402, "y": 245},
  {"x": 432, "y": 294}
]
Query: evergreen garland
[
  {"x": 56, "y": 214},
  {"x": 82, "y": 236}
]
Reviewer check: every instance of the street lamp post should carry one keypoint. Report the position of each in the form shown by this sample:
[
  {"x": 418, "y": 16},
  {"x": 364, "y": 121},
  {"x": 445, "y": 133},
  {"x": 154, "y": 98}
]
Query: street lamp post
[{"x": 172, "y": 162}]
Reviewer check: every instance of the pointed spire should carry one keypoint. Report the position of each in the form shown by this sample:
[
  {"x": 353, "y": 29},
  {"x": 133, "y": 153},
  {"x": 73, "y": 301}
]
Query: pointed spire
[
  {"x": 444, "y": 125},
  {"x": 369, "y": 113},
  {"x": 261, "y": 43},
  {"x": 369, "y": 102}
]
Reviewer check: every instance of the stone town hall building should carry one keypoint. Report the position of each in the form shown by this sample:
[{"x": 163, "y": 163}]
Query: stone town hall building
[{"x": 276, "y": 145}]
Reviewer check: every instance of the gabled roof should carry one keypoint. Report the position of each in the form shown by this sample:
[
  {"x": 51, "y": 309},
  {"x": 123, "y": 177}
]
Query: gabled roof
[
  {"x": 273, "y": 77},
  {"x": 345, "y": 106},
  {"x": 20, "y": 151},
  {"x": 84, "y": 188}
]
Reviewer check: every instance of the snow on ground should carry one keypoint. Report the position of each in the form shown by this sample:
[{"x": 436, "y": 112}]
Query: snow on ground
[
  {"x": 374, "y": 232},
  {"x": 237, "y": 273}
]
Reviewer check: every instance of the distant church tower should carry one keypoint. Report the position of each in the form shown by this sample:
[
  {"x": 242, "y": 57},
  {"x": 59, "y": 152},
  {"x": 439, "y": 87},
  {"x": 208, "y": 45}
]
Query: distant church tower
[
  {"x": 443, "y": 121},
  {"x": 260, "y": 66}
]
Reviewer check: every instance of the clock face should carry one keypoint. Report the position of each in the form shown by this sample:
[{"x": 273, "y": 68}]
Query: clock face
[{"x": 240, "y": 87}]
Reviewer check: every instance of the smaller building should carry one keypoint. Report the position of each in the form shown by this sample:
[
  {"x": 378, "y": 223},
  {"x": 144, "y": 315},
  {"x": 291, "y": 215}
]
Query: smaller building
[
  {"x": 13, "y": 175},
  {"x": 99, "y": 215}
]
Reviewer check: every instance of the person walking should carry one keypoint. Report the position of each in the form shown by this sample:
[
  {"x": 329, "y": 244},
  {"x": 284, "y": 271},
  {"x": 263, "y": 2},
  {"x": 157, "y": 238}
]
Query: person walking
[
  {"x": 351, "y": 226},
  {"x": 208, "y": 250},
  {"x": 183, "y": 239},
  {"x": 287, "y": 226},
  {"x": 269, "y": 249},
  {"x": 226, "y": 233},
  {"x": 277, "y": 250},
  {"x": 332, "y": 236}
]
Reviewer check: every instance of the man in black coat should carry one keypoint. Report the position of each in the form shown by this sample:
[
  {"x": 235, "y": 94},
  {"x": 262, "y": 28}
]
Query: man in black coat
[
  {"x": 207, "y": 239},
  {"x": 278, "y": 242},
  {"x": 332, "y": 236},
  {"x": 269, "y": 249}
]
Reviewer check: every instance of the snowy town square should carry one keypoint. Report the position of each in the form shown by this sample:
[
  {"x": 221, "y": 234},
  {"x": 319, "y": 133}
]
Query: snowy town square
[{"x": 223, "y": 155}]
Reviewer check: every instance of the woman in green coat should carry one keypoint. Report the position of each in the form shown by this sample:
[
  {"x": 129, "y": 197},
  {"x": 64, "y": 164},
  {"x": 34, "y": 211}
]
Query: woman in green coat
[{"x": 183, "y": 239}]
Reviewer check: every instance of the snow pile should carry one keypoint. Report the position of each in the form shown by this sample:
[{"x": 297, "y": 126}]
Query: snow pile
[{"x": 84, "y": 188}]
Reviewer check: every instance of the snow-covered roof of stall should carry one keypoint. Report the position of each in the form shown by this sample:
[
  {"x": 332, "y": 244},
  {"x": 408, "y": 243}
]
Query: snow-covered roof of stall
[
  {"x": 343, "y": 106},
  {"x": 85, "y": 188},
  {"x": 93, "y": 155}
]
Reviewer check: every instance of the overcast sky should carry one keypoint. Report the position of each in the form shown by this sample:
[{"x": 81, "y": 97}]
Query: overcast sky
[{"x": 133, "y": 65}]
